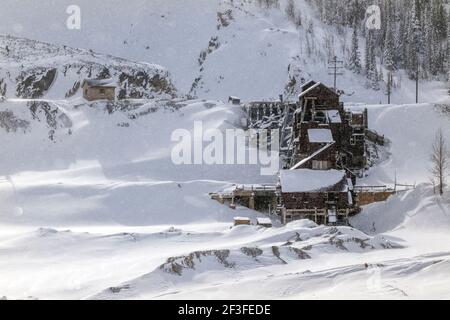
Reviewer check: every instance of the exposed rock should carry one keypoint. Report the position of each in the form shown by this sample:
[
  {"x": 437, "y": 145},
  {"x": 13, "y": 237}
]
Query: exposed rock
[
  {"x": 140, "y": 84},
  {"x": 119, "y": 289},
  {"x": 302, "y": 255},
  {"x": 176, "y": 265},
  {"x": 73, "y": 90},
  {"x": 37, "y": 66},
  {"x": 34, "y": 83},
  {"x": 224, "y": 19},
  {"x": 53, "y": 116},
  {"x": 276, "y": 253},
  {"x": 252, "y": 252},
  {"x": 11, "y": 123}
]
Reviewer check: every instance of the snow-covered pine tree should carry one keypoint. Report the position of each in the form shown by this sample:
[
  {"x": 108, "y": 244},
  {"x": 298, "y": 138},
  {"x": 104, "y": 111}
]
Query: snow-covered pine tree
[
  {"x": 447, "y": 55},
  {"x": 370, "y": 62},
  {"x": 429, "y": 41},
  {"x": 388, "y": 53},
  {"x": 415, "y": 43},
  {"x": 290, "y": 10},
  {"x": 439, "y": 17},
  {"x": 375, "y": 79},
  {"x": 418, "y": 29},
  {"x": 368, "y": 54},
  {"x": 355, "y": 55}
]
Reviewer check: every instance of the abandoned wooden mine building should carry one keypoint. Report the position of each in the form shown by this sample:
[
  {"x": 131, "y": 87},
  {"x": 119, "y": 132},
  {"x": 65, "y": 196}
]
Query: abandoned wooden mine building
[
  {"x": 99, "y": 89},
  {"x": 323, "y": 196},
  {"x": 325, "y": 133},
  {"x": 323, "y": 147}
]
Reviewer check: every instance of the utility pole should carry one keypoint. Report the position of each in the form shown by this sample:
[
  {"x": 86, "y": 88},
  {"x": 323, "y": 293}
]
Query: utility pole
[
  {"x": 417, "y": 81},
  {"x": 389, "y": 86},
  {"x": 335, "y": 66}
]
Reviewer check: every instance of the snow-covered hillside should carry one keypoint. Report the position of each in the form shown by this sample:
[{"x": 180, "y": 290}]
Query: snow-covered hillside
[
  {"x": 100, "y": 211},
  {"x": 32, "y": 69},
  {"x": 113, "y": 161},
  {"x": 213, "y": 48}
]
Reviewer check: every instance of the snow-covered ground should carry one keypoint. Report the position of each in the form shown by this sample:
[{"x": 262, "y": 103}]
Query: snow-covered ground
[
  {"x": 101, "y": 212},
  {"x": 92, "y": 206}
]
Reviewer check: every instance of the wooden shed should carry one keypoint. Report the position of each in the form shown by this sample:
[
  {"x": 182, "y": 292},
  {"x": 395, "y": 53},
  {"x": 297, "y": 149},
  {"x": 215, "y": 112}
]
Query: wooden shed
[
  {"x": 234, "y": 100},
  {"x": 239, "y": 221},
  {"x": 264, "y": 222},
  {"x": 99, "y": 89}
]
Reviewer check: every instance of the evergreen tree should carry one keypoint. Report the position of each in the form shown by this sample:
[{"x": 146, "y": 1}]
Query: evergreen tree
[
  {"x": 439, "y": 17},
  {"x": 290, "y": 10},
  {"x": 414, "y": 33},
  {"x": 389, "y": 48},
  {"x": 368, "y": 54},
  {"x": 374, "y": 76},
  {"x": 370, "y": 63},
  {"x": 415, "y": 44},
  {"x": 355, "y": 56}
]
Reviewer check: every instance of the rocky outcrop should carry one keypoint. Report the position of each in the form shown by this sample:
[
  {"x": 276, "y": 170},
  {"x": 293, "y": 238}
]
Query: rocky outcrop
[
  {"x": 11, "y": 123},
  {"x": 51, "y": 115},
  {"x": 34, "y": 83},
  {"x": 177, "y": 265},
  {"x": 36, "y": 69},
  {"x": 141, "y": 84}
]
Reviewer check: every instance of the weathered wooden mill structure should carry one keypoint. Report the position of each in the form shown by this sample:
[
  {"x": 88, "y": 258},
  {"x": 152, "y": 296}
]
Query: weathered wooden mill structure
[{"x": 323, "y": 148}]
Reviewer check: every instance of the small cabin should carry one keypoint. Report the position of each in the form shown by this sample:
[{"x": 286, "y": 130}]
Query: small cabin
[
  {"x": 99, "y": 89},
  {"x": 264, "y": 222},
  {"x": 234, "y": 100},
  {"x": 241, "y": 221}
]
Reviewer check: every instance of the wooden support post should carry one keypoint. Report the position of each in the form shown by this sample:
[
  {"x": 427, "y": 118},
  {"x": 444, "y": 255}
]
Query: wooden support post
[
  {"x": 232, "y": 204},
  {"x": 283, "y": 215},
  {"x": 274, "y": 203},
  {"x": 251, "y": 202}
]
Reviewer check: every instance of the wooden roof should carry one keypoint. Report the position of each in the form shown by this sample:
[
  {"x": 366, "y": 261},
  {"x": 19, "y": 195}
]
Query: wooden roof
[{"x": 103, "y": 83}]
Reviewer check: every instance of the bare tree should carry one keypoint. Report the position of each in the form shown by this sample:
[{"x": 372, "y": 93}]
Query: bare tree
[{"x": 439, "y": 158}]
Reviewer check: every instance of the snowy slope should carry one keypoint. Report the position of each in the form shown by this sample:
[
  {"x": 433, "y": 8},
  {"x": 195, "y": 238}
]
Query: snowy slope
[
  {"x": 213, "y": 48},
  {"x": 33, "y": 69},
  {"x": 410, "y": 130},
  {"x": 91, "y": 215},
  {"x": 298, "y": 241},
  {"x": 118, "y": 165}
]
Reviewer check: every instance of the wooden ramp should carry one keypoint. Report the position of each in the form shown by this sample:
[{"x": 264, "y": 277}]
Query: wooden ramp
[
  {"x": 375, "y": 137},
  {"x": 371, "y": 194},
  {"x": 256, "y": 197}
]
